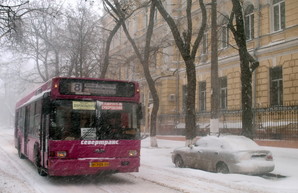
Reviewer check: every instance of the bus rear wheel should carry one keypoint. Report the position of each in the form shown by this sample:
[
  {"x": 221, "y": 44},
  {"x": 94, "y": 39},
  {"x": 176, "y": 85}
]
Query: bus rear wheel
[{"x": 40, "y": 169}]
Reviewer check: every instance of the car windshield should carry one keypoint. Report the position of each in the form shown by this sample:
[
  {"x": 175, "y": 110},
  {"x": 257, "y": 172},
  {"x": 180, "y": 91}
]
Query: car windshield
[{"x": 75, "y": 120}]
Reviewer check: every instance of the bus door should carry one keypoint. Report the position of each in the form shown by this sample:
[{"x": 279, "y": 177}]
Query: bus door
[
  {"x": 26, "y": 130},
  {"x": 45, "y": 119},
  {"x": 44, "y": 130}
]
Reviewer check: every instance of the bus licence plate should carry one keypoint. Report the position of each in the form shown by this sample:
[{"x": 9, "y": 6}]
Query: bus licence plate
[{"x": 99, "y": 164}]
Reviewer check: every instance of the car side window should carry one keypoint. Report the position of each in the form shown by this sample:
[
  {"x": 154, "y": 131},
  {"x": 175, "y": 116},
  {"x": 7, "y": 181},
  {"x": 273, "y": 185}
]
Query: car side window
[
  {"x": 214, "y": 143},
  {"x": 201, "y": 144}
]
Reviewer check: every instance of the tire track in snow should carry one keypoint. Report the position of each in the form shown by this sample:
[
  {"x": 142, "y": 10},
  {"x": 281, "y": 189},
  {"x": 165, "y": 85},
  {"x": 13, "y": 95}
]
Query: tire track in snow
[
  {"x": 180, "y": 181},
  {"x": 10, "y": 180}
]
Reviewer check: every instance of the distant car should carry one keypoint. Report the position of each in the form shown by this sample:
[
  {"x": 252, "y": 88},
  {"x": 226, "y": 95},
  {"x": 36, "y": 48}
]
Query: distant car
[{"x": 225, "y": 154}]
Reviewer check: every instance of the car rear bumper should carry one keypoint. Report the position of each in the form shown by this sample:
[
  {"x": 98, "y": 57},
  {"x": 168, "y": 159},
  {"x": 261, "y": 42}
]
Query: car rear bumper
[
  {"x": 253, "y": 167},
  {"x": 72, "y": 167}
]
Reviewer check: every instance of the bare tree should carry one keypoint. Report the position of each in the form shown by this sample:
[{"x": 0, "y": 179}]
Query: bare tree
[
  {"x": 187, "y": 47},
  {"x": 11, "y": 14},
  {"x": 42, "y": 43},
  {"x": 143, "y": 54},
  {"x": 109, "y": 8},
  {"x": 60, "y": 42},
  {"x": 81, "y": 40},
  {"x": 247, "y": 65}
]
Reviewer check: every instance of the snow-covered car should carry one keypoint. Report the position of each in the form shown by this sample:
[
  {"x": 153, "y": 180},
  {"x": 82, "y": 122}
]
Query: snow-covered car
[{"x": 225, "y": 154}]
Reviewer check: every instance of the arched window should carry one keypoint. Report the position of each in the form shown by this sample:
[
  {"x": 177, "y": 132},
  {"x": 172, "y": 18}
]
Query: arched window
[
  {"x": 278, "y": 14},
  {"x": 249, "y": 22}
]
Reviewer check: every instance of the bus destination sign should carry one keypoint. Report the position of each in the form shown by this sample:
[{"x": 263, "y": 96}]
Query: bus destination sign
[
  {"x": 96, "y": 88},
  {"x": 93, "y": 88}
]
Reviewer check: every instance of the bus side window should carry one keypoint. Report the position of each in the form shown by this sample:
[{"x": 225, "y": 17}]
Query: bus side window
[
  {"x": 21, "y": 120},
  {"x": 17, "y": 117},
  {"x": 31, "y": 109},
  {"x": 17, "y": 122},
  {"x": 37, "y": 118}
]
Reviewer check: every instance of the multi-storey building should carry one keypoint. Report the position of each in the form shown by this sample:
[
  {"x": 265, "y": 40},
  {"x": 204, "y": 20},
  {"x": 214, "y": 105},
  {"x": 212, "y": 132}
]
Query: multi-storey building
[{"x": 271, "y": 28}]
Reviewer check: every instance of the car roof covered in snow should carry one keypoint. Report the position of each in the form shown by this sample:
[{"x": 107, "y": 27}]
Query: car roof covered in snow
[{"x": 228, "y": 142}]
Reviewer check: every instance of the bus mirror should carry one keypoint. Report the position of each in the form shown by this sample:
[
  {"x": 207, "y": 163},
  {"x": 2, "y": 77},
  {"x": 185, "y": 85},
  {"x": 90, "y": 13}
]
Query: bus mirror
[{"x": 140, "y": 112}]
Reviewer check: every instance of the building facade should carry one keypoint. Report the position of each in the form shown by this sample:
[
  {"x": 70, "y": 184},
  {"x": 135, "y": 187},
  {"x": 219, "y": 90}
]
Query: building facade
[{"x": 271, "y": 28}]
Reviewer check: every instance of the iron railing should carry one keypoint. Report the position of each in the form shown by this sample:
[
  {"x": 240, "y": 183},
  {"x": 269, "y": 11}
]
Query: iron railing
[{"x": 279, "y": 122}]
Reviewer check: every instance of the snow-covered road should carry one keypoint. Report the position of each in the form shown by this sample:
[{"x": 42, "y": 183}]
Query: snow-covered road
[{"x": 157, "y": 174}]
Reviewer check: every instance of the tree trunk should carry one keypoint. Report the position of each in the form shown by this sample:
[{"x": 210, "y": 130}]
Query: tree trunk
[
  {"x": 246, "y": 68},
  {"x": 188, "y": 50},
  {"x": 190, "y": 118},
  {"x": 144, "y": 60},
  {"x": 246, "y": 93}
]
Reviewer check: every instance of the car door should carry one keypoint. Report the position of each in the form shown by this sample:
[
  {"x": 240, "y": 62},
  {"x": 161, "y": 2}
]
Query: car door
[
  {"x": 209, "y": 154},
  {"x": 212, "y": 153},
  {"x": 197, "y": 154}
]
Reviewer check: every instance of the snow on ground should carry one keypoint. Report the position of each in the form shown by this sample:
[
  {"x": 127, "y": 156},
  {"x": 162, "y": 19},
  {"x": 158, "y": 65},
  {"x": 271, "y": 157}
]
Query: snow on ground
[
  {"x": 286, "y": 172},
  {"x": 157, "y": 174}
]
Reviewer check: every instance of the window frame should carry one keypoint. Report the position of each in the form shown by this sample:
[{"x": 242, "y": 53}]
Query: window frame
[
  {"x": 223, "y": 90},
  {"x": 276, "y": 86},
  {"x": 205, "y": 44},
  {"x": 224, "y": 36},
  {"x": 202, "y": 96},
  {"x": 249, "y": 22},
  {"x": 278, "y": 15}
]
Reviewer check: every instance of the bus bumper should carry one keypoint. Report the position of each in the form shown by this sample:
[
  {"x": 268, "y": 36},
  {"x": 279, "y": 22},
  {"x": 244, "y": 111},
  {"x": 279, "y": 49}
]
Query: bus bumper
[{"x": 74, "y": 167}]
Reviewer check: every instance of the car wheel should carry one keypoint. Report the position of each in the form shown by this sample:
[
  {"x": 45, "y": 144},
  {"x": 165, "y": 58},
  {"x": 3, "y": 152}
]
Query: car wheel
[
  {"x": 221, "y": 167},
  {"x": 179, "y": 162}
]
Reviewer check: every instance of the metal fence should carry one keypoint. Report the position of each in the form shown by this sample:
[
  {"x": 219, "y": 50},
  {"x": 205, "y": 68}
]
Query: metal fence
[
  {"x": 279, "y": 122},
  {"x": 276, "y": 122}
]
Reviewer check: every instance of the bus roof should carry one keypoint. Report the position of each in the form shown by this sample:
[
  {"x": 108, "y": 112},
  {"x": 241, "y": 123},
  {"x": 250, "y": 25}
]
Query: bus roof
[
  {"x": 46, "y": 87},
  {"x": 50, "y": 86}
]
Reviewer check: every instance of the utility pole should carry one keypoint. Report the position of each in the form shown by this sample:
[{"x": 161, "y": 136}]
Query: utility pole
[{"x": 214, "y": 123}]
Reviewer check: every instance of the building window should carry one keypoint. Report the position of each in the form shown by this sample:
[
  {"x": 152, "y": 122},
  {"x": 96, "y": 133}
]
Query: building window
[
  {"x": 224, "y": 34},
  {"x": 202, "y": 96},
  {"x": 276, "y": 86},
  {"x": 278, "y": 15},
  {"x": 205, "y": 44},
  {"x": 249, "y": 22},
  {"x": 184, "y": 98},
  {"x": 223, "y": 93}
]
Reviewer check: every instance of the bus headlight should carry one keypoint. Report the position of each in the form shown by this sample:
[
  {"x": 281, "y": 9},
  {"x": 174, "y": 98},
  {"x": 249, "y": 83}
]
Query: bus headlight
[
  {"x": 61, "y": 154},
  {"x": 132, "y": 153}
]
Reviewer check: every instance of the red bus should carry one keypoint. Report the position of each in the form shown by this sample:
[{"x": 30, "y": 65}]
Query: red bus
[{"x": 80, "y": 126}]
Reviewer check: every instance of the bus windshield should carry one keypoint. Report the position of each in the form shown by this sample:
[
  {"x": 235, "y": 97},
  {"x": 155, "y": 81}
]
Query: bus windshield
[{"x": 93, "y": 120}]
